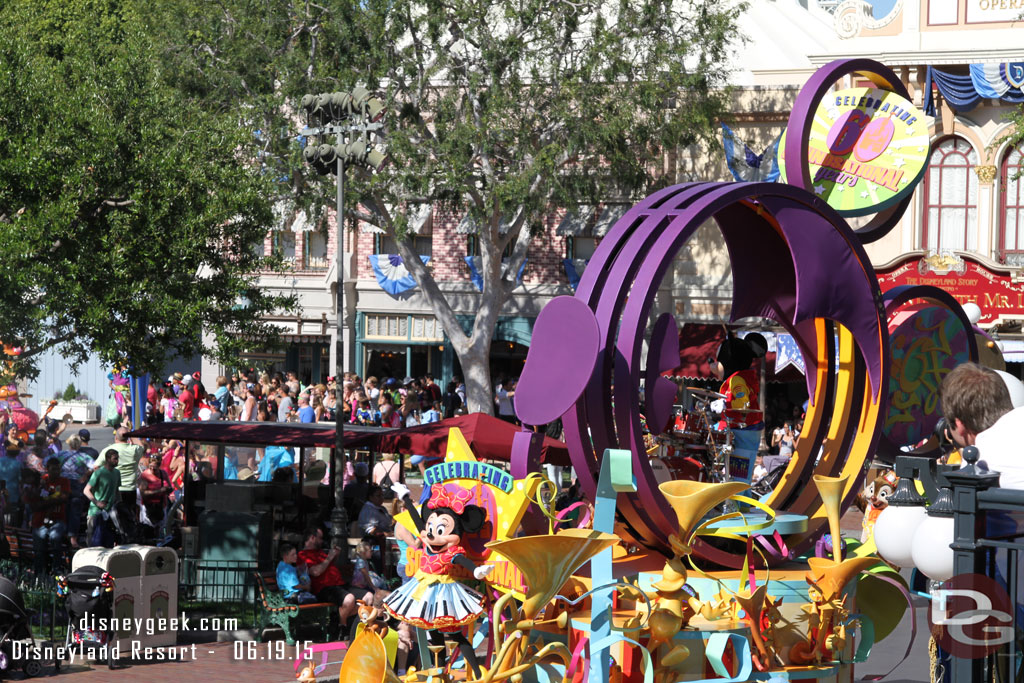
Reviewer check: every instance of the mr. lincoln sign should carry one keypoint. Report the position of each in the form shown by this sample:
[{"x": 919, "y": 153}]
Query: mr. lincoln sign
[
  {"x": 966, "y": 279},
  {"x": 867, "y": 150}
]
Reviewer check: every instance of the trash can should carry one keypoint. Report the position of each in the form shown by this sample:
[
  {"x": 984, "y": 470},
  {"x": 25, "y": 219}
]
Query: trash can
[
  {"x": 124, "y": 563},
  {"x": 159, "y": 596}
]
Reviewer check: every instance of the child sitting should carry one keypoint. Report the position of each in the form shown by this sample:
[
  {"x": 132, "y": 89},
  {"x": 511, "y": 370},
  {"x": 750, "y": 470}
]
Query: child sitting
[
  {"x": 293, "y": 581},
  {"x": 364, "y": 577}
]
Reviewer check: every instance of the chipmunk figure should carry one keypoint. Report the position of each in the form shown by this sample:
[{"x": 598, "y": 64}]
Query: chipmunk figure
[
  {"x": 307, "y": 674},
  {"x": 372, "y": 618},
  {"x": 873, "y": 499}
]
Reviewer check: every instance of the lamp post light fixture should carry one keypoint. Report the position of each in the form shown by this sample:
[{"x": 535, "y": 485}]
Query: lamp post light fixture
[
  {"x": 351, "y": 118},
  {"x": 897, "y": 523},
  {"x": 929, "y": 548}
]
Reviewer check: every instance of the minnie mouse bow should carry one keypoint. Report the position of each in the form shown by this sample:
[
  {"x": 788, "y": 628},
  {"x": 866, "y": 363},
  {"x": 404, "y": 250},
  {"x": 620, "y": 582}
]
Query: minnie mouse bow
[{"x": 440, "y": 497}]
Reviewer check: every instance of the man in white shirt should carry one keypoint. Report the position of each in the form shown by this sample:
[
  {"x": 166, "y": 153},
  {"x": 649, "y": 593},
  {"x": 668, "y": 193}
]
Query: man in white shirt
[
  {"x": 979, "y": 411},
  {"x": 503, "y": 396}
]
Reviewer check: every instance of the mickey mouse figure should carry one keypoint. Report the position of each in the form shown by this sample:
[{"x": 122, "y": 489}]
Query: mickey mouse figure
[
  {"x": 740, "y": 410},
  {"x": 433, "y": 599}
]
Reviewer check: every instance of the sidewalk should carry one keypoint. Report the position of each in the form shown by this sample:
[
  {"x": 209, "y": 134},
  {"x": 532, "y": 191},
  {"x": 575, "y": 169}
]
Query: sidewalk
[{"x": 212, "y": 663}]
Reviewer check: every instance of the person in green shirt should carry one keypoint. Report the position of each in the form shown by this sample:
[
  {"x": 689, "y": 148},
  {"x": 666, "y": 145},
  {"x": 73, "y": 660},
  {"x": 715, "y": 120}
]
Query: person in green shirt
[
  {"x": 102, "y": 489},
  {"x": 129, "y": 455}
]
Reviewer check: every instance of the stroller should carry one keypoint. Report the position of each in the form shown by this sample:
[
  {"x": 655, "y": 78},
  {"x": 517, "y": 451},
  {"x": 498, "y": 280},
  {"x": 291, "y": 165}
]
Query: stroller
[
  {"x": 90, "y": 597},
  {"x": 14, "y": 626}
]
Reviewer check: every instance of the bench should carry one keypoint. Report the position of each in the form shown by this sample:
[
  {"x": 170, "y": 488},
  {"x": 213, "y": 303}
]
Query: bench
[
  {"x": 21, "y": 544},
  {"x": 274, "y": 610}
]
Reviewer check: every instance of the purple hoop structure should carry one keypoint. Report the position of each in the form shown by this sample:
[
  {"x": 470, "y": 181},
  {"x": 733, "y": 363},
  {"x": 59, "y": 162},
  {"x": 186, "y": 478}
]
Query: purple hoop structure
[
  {"x": 798, "y": 132},
  {"x": 893, "y": 299},
  {"x": 794, "y": 260}
]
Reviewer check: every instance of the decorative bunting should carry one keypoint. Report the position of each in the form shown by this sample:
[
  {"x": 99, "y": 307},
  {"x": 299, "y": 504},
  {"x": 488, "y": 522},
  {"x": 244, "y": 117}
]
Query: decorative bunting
[
  {"x": 788, "y": 353},
  {"x": 474, "y": 271},
  {"x": 750, "y": 167},
  {"x": 985, "y": 81},
  {"x": 392, "y": 275}
]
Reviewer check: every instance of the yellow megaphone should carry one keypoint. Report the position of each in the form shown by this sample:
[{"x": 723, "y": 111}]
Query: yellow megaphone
[{"x": 831, "y": 491}]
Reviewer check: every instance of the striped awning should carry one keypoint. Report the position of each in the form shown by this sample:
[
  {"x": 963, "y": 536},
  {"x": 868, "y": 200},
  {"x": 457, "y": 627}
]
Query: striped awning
[
  {"x": 1013, "y": 350},
  {"x": 575, "y": 220},
  {"x": 609, "y": 217},
  {"x": 468, "y": 226}
]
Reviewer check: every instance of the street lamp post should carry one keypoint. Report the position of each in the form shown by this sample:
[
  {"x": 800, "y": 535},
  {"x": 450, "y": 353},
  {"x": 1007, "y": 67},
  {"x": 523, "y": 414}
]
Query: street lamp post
[{"x": 343, "y": 115}]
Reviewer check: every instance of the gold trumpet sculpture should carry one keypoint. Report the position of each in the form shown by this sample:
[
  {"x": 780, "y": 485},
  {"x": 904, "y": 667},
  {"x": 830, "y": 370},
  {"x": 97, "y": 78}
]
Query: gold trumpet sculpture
[
  {"x": 827, "y": 579},
  {"x": 547, "y": 562},
  {"x": 367, "y": 661},
  {"x": 673, "y": 606},
  {"x": 831, "y": 491},
  {"x": 691, "y": 500}
]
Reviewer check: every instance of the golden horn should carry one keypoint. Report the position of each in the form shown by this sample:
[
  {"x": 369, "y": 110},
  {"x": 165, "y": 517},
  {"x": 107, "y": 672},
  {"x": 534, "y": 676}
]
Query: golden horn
[
  {"x": 547, "y": 562},
  {"x": 831, "y": 491},
  {"x": 831, "y": 576},
  {"x": 367, "y": 661},
  {"x": 691, "y": 500},
  {"x": 752, "y": 603}
]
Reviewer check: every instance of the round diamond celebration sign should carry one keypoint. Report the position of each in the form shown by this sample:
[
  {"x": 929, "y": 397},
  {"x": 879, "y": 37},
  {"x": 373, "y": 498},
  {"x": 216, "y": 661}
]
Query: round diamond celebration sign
[{"x": 868, "y": 148}]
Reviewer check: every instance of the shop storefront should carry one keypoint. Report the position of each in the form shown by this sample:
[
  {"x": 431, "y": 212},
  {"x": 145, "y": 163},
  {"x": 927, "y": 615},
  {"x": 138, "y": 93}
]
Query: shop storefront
[{"x": 401, "y": 345}]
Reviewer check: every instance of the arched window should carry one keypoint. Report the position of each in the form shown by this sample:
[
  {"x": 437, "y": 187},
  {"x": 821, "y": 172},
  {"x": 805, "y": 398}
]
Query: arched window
[
  {"x": 951, "y": 197},
  {"x": 1011, "y": 208}
]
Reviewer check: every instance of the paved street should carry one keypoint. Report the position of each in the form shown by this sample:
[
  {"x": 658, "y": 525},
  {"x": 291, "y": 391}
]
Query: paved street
[{"x": 213, "y": 663}]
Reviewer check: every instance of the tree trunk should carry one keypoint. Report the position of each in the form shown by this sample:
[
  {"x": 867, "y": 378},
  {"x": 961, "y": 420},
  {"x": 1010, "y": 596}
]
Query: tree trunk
[{"x": 476, "y": 367}]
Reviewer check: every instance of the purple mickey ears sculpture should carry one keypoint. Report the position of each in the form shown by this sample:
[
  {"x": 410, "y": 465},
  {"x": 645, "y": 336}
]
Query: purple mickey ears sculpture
[
  {"x": 794, "y": 260},
  {"x": 561, "y": 358}
]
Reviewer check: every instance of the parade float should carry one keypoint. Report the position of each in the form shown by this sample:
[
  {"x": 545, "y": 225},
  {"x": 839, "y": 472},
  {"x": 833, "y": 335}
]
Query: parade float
[{"x": 699, "y": 580}]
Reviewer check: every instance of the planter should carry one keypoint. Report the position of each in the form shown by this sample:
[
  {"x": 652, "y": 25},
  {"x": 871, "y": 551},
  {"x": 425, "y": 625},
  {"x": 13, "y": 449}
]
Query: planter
[{"x": 81, "y": 411}]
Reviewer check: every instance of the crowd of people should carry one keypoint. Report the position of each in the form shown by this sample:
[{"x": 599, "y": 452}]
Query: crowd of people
[
  {"x": 282, "y": 397},
  {"x": 66, "y": 492}
]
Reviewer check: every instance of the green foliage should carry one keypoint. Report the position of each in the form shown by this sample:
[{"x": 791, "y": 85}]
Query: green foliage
[
  {"x": 504, "y": 108},
  {"x": 129, "y": 211},
  {"x": 1016, "y": 136},
  {"x": 71, "y": 393}
]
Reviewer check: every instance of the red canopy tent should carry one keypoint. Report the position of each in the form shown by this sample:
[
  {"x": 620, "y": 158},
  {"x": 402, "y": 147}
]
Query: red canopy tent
[
  {"x": 489, "y": 437},
  {"x": 700, "y": 341}
]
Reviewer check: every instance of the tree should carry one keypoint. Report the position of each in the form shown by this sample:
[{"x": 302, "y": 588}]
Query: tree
[
  {"x": 509, "y": 108},
  {"x": 130, "y": 213},
  {"x": 502, "y": 108},
  {"x": 1015, "y": 137}
]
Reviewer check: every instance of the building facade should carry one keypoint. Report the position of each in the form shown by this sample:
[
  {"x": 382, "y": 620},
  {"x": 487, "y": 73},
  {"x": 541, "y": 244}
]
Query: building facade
[{"x": 969, "y": 208}]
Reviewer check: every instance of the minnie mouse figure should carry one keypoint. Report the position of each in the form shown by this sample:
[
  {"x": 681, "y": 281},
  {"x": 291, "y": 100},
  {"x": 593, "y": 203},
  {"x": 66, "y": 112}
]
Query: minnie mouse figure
[{"x": 433, "y": 599}]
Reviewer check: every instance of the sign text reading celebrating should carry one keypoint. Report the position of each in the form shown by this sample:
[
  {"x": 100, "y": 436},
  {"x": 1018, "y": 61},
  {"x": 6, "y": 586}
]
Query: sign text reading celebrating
[
  {"x": 482, "y": 472},
  {"x": 866, "y": 150}
]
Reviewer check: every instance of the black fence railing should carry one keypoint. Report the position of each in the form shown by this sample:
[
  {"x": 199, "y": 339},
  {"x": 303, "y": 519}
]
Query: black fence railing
[
  {"x": 46, "y": 614},
  {"x": 987, "y": 542},
  {"x": 219, "y": 588}
]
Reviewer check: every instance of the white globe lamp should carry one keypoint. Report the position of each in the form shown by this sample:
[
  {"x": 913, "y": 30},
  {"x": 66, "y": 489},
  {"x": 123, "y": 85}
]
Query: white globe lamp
[
  {"x": 898, "y": 523},
  {"x": 894, "y": 527},
  {"x": 930, "y": 546},
  {"x": 1015, "y": 387},
  {"x": 972, "y": 311}
]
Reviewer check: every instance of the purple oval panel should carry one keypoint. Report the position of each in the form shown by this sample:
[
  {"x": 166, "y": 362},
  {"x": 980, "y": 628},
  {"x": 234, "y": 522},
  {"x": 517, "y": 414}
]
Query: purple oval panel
[{"x": 562, "y": 355}]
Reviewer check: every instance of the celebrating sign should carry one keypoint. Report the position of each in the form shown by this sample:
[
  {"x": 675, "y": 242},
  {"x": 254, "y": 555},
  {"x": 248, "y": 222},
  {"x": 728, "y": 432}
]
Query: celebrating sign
[{"x": 867, "y": 150}]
